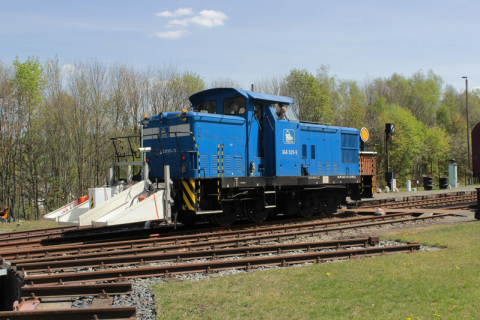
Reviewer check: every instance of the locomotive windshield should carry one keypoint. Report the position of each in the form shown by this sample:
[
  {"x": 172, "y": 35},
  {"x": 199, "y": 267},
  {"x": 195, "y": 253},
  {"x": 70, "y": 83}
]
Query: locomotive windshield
[
  {"x": 283, "y": 111},
  {"x": 233, "y": 106},
  {"x": 207, "y": 107}
]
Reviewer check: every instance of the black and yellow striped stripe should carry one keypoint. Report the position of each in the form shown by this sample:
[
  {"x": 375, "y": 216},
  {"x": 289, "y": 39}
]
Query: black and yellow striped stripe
[{"x": 188, "y": 193}]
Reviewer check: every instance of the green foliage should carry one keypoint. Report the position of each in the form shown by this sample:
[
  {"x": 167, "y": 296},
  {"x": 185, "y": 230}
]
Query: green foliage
[
  {"x": 311, "y": 97},
  {"x": 420, "y": 94},
  {"x": 352, "y": 109},
  {"x": 443, "y": 116},
  {"x": 406, "y": 149},
  {"x": 29, "y": 81}
]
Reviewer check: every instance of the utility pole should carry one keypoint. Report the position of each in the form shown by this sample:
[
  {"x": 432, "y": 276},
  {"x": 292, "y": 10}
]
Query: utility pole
[
  {"x": 468, "y": 131},
  {"x": 389, "y": 131}
]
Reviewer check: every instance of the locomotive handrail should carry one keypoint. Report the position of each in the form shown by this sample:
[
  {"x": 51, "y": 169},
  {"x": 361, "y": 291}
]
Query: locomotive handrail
[
  {"x": 273, "y": 130},
  {"x": 133, "y": 153},
  {"x": 218, "y": 167},
  {"x": 313, "y": 122}
]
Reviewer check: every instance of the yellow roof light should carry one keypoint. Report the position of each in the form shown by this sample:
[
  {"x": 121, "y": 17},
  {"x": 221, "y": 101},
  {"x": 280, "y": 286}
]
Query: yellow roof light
[
  {"x": 184, "y": 111},
  {"x": 364, "y": 134}
]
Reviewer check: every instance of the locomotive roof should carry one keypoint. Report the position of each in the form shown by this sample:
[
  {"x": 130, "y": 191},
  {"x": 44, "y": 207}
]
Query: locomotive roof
[{"x": 206, "y": 94}]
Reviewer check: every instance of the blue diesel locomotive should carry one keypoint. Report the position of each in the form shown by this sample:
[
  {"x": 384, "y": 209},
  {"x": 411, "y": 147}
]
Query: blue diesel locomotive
[{"x": 245, "y": 154}]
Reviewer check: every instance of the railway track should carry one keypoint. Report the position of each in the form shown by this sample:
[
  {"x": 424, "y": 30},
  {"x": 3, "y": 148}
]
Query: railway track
[
  {"x": 106, "y": 259},
  {"x": 72, "y": 314},
  {"x": 100, "y": 269},
  {"x": 51, "y": 293},
  {"x": 43, "y": 231},
  {"x": 421, "y": 201},
  {"x": 68, "y": 234},
  {"x": 18, "y": 251},
  {"x": 213, "y": 266}
]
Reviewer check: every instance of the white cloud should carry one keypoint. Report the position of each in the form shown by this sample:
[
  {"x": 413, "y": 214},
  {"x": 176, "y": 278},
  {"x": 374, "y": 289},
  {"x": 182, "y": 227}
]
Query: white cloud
[
  {"x": 177, "y": 13},
  {"x": 209, "y": 18},
  {"x": 69, "y": 69},
  {"x": 205, "y": 18},
  {"x": 171, "y": 34},
  {"x": 177, "y": 22}
]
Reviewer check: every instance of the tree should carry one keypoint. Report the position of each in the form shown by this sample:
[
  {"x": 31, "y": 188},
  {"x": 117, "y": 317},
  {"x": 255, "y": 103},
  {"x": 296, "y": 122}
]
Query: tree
[
  {"x": 29, "y": 83},
  {"x": 225, "y": 83},
  {"x": 352, "y": 109},
  {"x": 311, "y": 99}
]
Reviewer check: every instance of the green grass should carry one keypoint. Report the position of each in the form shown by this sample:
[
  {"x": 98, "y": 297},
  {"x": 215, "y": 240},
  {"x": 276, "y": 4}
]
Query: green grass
[
  {"x": 27, "y": 225},
  {"x": 441, "y": 284}
]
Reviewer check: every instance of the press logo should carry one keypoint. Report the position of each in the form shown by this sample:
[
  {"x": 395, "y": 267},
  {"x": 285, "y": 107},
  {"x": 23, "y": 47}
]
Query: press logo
[
  {"x": 163, "y": 132},
  {"x": 288, "y": 136}
]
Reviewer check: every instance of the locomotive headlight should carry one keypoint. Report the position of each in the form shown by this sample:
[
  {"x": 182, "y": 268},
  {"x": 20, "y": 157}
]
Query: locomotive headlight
[{"x": 183, "y": 167}]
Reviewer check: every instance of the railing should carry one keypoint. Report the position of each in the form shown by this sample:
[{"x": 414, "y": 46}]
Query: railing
[{"x": 118, "y": 144}]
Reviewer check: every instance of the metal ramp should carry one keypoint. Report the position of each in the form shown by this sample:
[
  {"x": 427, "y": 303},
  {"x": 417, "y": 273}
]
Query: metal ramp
[
  {"x": 110, "y": 205},
  {"x": 70, "y": 217},
  {"x": 54, "y": 215},
  {"x": 135, "y": 204},
  {"x": 150, "y": 209}
]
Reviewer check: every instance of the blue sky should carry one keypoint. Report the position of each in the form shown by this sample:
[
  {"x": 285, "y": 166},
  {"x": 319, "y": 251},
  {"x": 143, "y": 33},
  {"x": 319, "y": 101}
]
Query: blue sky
[{"x": 248, "y": 40}]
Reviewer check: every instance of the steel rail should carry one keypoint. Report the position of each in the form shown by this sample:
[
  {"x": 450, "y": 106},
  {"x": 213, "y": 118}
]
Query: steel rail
[
  {"x": 83, "y": 236},
  {"x": 21, "y": 233},
  {"x": 65, "y": 231},
  {"x": 416, "y": 199},
  {"x": 72, "y": 314},
  {"x": 91, "y": 234},
  {"x": 76, "y": 290},
  {"x": 423, "y": 204},
  {"x": 156, "y": 271},
  {"x": 284, "y": 232},
  {"x": 211, "y": 245},
  {"x": 105, "y": 261},
  {"x": 215, "y": 244}
]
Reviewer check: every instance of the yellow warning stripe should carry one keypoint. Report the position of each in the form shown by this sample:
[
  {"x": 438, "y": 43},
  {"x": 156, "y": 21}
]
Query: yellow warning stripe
[
  {"x": 188, "y": 189},
  {"x": 190, "y": 207}
]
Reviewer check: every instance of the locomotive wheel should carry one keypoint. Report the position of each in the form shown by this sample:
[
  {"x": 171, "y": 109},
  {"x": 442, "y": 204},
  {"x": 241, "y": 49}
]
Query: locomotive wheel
[
  {"x": 329, "y": 205},
  {"x": 291, "y": 208},
  {"x": 317, "y": 201},
  {"x": 256, "y": 212},
  {"x": 226, "y": 218},
  {"x": 307, "y": 208}
]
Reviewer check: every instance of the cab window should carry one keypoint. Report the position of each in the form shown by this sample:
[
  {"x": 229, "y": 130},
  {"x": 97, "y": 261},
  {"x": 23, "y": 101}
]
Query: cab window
[
  {"x": 207, "y": 107},
  {"x": 283, "y": 111},
  {"x": 234, "y": 106}
]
